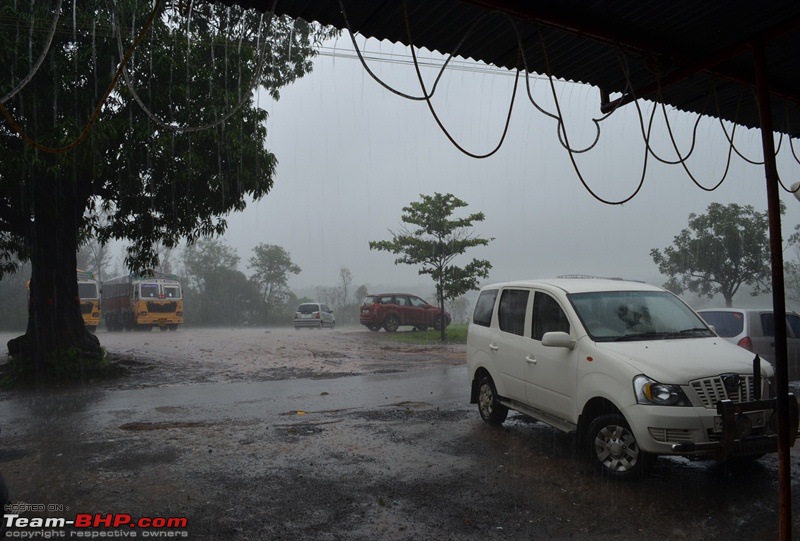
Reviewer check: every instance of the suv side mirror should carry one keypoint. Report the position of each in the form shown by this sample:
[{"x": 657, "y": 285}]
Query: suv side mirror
[{"x": 558, "y": 339}]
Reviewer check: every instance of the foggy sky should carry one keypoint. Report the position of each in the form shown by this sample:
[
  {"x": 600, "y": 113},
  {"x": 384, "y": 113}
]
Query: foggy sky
[{"x": 351, "y": 155}]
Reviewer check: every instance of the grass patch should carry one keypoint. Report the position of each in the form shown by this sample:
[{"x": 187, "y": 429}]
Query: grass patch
[{"x": 454, "y": 334}]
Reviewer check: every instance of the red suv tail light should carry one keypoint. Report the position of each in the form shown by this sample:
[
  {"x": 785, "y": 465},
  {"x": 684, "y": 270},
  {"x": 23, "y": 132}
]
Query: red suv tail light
[
  {"x": 316, "y": 315},
  {"x": 746, "y": 343}
]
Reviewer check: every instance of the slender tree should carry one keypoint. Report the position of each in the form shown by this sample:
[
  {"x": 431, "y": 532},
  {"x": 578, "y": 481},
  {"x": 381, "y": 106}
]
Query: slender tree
[
  {"x": 128, "y": 151},
  {"x": 272, "y": 266},
  {"x": 718, "y": 253},
  {"x": 432, "y": 238}
]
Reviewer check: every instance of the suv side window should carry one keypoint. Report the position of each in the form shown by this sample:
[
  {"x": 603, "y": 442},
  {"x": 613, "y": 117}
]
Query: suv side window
[
  {"x": 793, "y": 322},
  {"x": 402, "y": 301},
  {"x": 768, "y": 324},
  {"x": 417, "y": 302},
  {"x": 482, "y": 315},
  {"x": 547, "y": 316},
  {"x": 387, "y": 300},
  {"x": 511, "y": 311}
]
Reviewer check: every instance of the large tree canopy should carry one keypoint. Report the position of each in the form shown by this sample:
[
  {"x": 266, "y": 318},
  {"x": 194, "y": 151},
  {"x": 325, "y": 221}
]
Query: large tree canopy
[
  {"x": 141, "y": 165},
  {"x": 432, "y": 238},
  {"x": 720, "y": 251}
]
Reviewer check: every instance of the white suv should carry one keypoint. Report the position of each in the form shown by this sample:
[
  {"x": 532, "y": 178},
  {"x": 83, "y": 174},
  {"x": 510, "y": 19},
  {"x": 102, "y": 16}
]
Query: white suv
[
  {"x": 315, "y": 315},
  {"x": 628, "y": 367}
]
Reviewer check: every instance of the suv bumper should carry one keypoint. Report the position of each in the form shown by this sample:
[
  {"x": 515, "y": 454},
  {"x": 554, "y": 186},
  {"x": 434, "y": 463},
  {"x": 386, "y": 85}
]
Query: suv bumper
[
  {"x": 733, "y": 429},
  {"x": 736, "y": 435}
]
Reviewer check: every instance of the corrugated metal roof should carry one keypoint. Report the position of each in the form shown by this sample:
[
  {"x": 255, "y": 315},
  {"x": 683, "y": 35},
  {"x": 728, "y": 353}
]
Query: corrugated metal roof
[{"x": 702, "y": 45}]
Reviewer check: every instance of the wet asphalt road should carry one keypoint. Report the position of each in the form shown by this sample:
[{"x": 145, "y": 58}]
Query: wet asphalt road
[{"x": 392, "y": 452}]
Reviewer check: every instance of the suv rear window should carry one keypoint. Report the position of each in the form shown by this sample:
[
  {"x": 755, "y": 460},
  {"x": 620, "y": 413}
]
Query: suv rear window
[
  {"x": 484, "y": 307},
  {"x": 308, "y": 308},
  {"x": 369, "y": 299},
  {"x": 727, "y": 324}
]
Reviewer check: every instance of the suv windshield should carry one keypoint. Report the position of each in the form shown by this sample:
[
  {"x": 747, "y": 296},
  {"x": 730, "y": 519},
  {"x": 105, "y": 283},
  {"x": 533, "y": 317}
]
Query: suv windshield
[
  {"x": 611, "y": 316},
  {"x": 369, "y": 299}
]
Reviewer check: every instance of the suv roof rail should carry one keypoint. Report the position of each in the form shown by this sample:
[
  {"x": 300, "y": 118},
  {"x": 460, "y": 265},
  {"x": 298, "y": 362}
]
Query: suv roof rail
[{"x": 591, "y": 277}]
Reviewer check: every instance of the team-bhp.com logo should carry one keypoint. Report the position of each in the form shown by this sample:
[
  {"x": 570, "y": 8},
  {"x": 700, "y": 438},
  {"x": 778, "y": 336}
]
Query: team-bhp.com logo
[{"x": 94, "y": 525}]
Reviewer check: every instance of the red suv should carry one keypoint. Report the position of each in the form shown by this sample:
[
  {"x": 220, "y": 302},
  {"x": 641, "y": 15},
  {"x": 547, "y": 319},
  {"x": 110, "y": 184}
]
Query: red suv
[{"x": 393, "y": 310}]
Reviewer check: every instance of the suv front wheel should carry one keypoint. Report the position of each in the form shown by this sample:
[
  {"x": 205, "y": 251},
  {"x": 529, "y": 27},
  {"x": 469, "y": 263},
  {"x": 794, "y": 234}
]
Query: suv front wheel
[{"x": 613, "y": 448}]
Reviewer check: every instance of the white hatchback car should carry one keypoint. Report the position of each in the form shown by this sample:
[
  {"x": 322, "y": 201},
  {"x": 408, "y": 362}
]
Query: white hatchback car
[
  {"x": 314, "y": 315},
  {"x": 628, "y": 367}
]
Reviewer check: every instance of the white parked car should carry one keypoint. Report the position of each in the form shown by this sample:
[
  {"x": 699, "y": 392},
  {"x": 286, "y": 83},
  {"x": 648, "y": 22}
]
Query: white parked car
[
  {"x": 754, "y": 330},
  {"x": 315, "y": 315},
  {"x": 628, "y": 367}
]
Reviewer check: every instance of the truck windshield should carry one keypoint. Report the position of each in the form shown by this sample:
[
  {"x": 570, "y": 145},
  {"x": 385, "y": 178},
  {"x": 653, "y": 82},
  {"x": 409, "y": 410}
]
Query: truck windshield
[
  {"x": 87, "y": 291},
  {"x": 172, "y": 292},
  {"x": 148, "y": 291},
  {"x": 611, "y": 316}
]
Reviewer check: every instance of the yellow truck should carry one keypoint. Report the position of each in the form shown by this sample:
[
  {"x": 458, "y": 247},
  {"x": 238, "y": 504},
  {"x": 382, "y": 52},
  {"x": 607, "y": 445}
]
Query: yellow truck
[
  {"x": 143, "y": 301},
  {"x": 89, "y": 294}
]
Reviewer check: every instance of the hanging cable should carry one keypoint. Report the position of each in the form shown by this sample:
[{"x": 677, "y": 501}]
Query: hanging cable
[
  {"x": 725, "y": 131},
  {"x": 95, "y": 115},
  {"x": 572, "y": 154},
  {"x": 433, "y": 110},
  {"x": 681, "y": 158},
  {"x": 42, "y": 56},
  {"x": 560, "y": 129},
  {"x": 386, "y": 85},
  {"x": 791, "y": 145}
]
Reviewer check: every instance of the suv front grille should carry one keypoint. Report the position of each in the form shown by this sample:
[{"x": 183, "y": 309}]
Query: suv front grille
[{"x": 712, "y": 390}]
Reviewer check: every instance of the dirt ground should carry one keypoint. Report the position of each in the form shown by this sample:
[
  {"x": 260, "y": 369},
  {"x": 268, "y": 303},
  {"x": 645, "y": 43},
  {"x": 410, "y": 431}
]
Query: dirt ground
[{"x": 335, "y": 435}]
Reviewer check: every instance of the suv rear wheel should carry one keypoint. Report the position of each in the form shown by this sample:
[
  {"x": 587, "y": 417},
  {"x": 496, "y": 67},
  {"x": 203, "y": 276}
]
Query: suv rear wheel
[
  {"x": 391, "y": 324},
  {"x": 613, "y": 448},
  {"x": 491, "y": 410}
]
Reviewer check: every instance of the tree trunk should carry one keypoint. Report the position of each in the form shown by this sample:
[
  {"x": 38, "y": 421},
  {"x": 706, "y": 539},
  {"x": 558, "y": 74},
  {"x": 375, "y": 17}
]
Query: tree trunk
[
  {"x": 56, "y": 340},
  {"x": 440, "y": 295}
]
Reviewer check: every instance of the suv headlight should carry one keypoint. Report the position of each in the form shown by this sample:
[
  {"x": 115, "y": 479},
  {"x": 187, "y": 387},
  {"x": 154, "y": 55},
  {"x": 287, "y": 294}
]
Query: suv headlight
[{"x": 653, "y": 393}]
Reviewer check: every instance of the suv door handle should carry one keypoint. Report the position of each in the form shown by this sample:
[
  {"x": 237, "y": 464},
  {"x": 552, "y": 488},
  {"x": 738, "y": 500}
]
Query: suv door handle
[
  {"x": 530, "y": 359},
  {"x": 493, "y": 347}
]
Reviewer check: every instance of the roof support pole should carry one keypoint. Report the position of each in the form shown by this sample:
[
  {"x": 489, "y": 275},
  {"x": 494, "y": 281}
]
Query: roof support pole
[{"x": 778, "y": 294}]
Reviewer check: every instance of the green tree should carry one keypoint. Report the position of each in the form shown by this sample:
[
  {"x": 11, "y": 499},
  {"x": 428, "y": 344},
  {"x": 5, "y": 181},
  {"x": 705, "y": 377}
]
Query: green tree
[
  {"x": 216, "y": 292},
  {"x": 432, "y": 238},
  {"x": 720, "y": 251},
  {"x": 272, "y": 265},
  {"x": 194, "y": 66}
]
